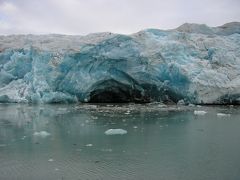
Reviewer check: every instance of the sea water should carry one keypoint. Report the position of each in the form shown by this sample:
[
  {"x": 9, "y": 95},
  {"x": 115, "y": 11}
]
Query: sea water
[{"x": 159, "y": 142}]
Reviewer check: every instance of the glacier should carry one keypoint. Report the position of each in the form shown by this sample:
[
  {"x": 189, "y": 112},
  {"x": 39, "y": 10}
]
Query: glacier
[{"x": 193, "y": 63}]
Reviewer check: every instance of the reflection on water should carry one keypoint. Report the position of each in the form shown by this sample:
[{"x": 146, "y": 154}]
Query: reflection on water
[{"x": 159, "y": 144}]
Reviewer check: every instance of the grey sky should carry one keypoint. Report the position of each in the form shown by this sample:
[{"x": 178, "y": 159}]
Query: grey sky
[{"x": 119, "y": 16}]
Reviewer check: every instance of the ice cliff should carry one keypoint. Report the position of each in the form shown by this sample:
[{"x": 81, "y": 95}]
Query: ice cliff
[{"x": 196, "y": 63}]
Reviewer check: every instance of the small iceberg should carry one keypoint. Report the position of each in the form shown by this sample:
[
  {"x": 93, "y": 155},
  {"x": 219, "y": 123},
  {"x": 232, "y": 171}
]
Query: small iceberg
[
  {"x": 128, "y": 112},
  {"x": 191, "y": 105},
  {"x": 42, "y": 134},
  {"x": 88, "y": 145},
  {"x": 181, "y": 102},
  {"x": 106, "y": 150},
  {"x": 50, "y": 160},
  {"x": 115, "y": 132},
  {"x": 200, "y": 112},
  {"x": 223, "y": 115}
]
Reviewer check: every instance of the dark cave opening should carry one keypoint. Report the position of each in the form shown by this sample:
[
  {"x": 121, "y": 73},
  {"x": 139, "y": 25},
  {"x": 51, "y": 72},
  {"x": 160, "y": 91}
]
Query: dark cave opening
[{"x": 111, "y": 91}]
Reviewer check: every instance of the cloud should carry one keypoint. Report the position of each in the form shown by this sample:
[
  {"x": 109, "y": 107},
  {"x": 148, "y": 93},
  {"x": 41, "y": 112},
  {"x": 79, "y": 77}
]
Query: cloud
[
  {"x": 7, "y": 7},
  {"x": 120, "y": 16}
]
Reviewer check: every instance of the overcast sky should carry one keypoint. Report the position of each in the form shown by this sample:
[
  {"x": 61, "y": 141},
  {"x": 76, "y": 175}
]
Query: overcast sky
[{"x": 119, "y": 16}]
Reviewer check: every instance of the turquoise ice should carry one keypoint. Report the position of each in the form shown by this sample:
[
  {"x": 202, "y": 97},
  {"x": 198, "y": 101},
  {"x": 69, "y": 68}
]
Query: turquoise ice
[{"x": 194, "y": 63}]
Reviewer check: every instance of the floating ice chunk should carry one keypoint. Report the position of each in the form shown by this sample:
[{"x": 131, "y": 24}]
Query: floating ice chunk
[
  {"x": 106, "y": 150},
  {"x": 191, "y": 105},
  {"x": 50, "y": 160},
  {"x": 115, "y": 132},
  {"x": 42, "y": 134},
  {"x": 3, "y": 145},
  {"x": 128, "y": 112},
  {"x": 89, "y": 145},
  {"x": 135, "y": 127},
  {"x": 62, "y": 109},
  {"x": 223, "y": 115},
  {"x": 181, "y": 102},
  {"x": 162, "y": 105},
  {"x": 200, "y": 112},
  {"x": 110, "y": 105},
  {"x": 94, "y": 117}
]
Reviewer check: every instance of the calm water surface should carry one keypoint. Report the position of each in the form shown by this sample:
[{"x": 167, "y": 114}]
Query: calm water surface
[{"x": 160, "y": 144}]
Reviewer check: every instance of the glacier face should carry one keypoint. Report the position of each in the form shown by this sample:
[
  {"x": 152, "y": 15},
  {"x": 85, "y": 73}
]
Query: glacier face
[{"x": 197, "y": 63}]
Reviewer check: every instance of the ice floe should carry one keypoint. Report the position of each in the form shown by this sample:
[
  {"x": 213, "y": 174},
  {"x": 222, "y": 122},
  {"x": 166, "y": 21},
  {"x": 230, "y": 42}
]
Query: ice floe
[
  {"x": 200, "y": 112},
  {"x": 41, "y": 134},
  {"x": 115, "y": 132}
]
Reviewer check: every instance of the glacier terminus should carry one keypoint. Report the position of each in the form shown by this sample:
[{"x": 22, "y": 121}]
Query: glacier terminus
[{"x": 194, "y": 63}]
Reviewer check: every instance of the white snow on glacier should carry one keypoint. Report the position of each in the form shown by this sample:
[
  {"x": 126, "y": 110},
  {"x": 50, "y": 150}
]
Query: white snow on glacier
[{"x": 196, "y": 63}]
